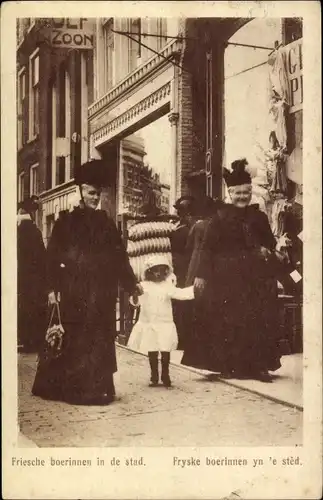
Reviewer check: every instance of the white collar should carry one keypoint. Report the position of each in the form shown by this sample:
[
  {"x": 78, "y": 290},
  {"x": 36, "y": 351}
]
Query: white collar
[{"x": 22, "y": 217}]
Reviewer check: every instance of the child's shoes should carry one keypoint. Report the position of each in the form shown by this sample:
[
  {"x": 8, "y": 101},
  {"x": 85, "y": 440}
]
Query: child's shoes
[
  {"x": 153, "y": 361},
  {"x": 166, "y": 381},
  {"x": 165, "y": 359}
]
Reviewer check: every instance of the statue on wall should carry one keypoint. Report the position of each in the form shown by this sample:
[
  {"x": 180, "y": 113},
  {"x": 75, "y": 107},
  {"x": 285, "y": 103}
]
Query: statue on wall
[{"x": 275, "y": 161}]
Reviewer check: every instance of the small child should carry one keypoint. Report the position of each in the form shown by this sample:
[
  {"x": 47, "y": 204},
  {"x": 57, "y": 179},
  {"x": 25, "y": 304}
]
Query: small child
[{"x": 155, "y": 330}]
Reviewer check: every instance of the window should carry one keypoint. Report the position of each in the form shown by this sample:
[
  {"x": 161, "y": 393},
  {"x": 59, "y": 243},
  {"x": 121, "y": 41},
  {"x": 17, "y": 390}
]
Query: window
[
  {"x": 109, "y": 54},
  {"x": 61, "y": 169},
  {"x": 34, "y": 95},
  {"x": 21, "y": 187},
  {"x": 125, "y": 178},
  {"x": 60, "y": 110},
  {"x": 292, "y": 29},
  {"x": 134, "y": 45},
  {"x": 21, "y": 106},
  {"x": 32, "y": 22},
  {"x": 161, "y": 32},
  {"x": 23, "y": 26},
  {"x": 34, "y": 180}
]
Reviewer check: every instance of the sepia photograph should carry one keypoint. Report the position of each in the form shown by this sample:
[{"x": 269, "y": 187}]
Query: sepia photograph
[
  {"x": 159, "y": 239},
  {"x": 159, "y": 171}
]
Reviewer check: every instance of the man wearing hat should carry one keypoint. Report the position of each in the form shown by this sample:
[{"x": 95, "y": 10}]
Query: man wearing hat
[
  {"x": 32, "y": 299},
  {"x": 86, "y": 263},
  {"x": 178, "y": 239}
]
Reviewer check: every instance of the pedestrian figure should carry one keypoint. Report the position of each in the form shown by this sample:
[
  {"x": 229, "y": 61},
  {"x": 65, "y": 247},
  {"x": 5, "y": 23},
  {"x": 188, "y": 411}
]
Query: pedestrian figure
[
  {"x": 86, "y": 262},
  {"x": 155, "y": 332},
  {"x": 185, "y": 207},
  {"x": 194, "y": 347},
  {"x": 207, "y": 209},
  {"x": 238, "y": 283},
  {"x": 32, "y": 296}
]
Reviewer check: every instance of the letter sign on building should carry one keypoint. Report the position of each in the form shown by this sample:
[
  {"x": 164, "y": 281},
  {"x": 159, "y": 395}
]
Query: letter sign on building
[
  {"x": 68, "y": 33},
  {"x": 295, "y": 74}
]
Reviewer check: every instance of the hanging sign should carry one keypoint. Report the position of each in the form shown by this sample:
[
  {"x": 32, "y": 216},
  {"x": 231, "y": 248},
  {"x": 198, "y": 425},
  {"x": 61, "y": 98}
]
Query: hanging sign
[
  {"x": 65, "y": 32},
  {"x": 294, "y": 62}
]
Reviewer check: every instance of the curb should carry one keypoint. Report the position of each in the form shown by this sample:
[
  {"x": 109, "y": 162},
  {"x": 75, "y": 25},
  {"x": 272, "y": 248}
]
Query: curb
[
  {"x": 223, "y": 381},
  {"x": 24, "y": 442}
]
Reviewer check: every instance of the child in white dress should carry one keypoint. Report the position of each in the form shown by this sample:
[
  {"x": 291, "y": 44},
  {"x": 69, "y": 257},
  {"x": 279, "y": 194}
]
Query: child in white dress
[{"x": 155, "y": 330}]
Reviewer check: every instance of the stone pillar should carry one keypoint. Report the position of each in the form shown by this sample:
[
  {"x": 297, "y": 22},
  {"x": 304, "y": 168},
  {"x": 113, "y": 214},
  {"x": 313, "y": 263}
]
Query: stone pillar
[
  {"x": 98, "y": 62},
  {"x": 173, "y": 118},
  {"x": 94, "y": 153}
]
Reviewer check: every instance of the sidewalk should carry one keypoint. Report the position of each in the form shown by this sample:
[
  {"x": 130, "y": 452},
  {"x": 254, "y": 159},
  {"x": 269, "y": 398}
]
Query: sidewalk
[
  {"x": 286, "y": 388},
  {"x": 24, "y": 442},
  {"x": 216, "y": 413}
]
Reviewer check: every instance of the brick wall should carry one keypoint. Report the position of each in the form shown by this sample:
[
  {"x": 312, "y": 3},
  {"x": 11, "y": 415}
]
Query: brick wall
[
  {"x": 191, "y": 133},
  {"x": 202, "y": 34},
  {"x": 185, "y": 132}
]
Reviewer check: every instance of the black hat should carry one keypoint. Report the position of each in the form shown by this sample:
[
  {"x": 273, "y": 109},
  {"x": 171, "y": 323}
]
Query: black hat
[
  {"x": 29, "y": 204},
  {"x": 239, "y": 174},
  {"x": 185, "y": 203},
  {"x": 93, "y": 172}
]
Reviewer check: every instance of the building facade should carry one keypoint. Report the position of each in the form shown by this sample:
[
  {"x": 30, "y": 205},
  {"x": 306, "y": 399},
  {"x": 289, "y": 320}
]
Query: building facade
[
  {"x": 139, "y": 186},
  {"x": 148, "y": 68},
  {"x": 86, "y": 86},
  {"x": 55, "y": 87}
]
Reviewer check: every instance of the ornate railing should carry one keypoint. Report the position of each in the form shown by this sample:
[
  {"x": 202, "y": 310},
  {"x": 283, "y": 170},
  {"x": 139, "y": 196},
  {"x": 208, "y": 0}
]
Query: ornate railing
[{"x": 170, "y": 50}]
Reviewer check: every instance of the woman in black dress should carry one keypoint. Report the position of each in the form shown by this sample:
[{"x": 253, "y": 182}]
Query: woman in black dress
[
  {"x": 194, "y": 348},
  {"x": 32, "y": 296},
  {"x": 237, "y": 279},
  {"x": 86, "y": 260}
]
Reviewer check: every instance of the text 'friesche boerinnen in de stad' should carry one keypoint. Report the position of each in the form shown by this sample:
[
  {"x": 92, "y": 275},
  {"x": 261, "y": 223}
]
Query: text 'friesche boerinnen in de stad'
[{"x": 182, "y": 463}]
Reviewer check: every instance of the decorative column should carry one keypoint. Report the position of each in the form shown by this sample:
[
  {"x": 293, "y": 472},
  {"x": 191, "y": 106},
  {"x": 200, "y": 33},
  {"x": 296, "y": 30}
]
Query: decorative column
[{"x": 173, "y": 118}]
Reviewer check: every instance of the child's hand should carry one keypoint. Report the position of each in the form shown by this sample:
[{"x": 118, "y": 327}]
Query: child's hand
[
  {"x": 52, "y": 299},
  {"x": 139, "y": 290},
  {"x": 134, "y": 299}
]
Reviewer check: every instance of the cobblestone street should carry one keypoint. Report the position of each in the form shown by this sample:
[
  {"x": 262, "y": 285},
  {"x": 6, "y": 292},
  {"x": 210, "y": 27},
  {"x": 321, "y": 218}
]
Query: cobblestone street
[{"x": 196, "y": 411}]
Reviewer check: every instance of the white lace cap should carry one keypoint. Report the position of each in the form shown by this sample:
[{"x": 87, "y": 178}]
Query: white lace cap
[{"x": 156, "y": 260}]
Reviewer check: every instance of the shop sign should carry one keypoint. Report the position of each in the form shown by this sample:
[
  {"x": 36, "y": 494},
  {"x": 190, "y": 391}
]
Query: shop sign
[
  {"x": 294, "y": 62},
  {"x": 65, "y": 32}
]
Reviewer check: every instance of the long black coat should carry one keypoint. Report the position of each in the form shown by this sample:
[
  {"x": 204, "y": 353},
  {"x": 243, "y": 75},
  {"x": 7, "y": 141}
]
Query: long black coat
[
  {"x": 86, "y": 261},
  {"x": 180, "y": 257},
  {"x": 32, "y": 296},
  {"x": 240, "y": 300}
]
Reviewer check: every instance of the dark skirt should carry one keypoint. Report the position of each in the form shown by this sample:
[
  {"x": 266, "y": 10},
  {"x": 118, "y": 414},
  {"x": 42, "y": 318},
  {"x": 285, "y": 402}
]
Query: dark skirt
[
  {"x": 84, "y": 371},
  {"x": 236, "y": 324},
  {"x": 32, "y": 322}
]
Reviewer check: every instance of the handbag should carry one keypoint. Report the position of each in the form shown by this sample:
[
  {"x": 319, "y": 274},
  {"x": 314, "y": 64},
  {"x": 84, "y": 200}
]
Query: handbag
[{"x": 54, "y": 336}]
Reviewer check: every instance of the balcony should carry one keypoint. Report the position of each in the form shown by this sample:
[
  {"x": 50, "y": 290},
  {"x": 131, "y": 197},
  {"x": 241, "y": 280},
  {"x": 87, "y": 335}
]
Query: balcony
[{"x": 171, "y": 50}]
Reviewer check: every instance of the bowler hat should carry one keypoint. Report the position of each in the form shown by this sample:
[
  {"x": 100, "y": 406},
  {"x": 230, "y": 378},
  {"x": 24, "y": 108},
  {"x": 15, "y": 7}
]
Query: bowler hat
[{"x": 187, "y": 202}]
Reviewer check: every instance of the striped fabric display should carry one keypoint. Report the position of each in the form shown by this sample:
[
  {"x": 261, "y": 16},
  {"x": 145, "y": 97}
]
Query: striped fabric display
[{"x": 148, "y": 238}]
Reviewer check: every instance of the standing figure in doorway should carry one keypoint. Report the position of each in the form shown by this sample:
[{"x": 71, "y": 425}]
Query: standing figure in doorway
[
  {"x": 86, "y": 262},
  {"x": 237, "y": 280}
]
